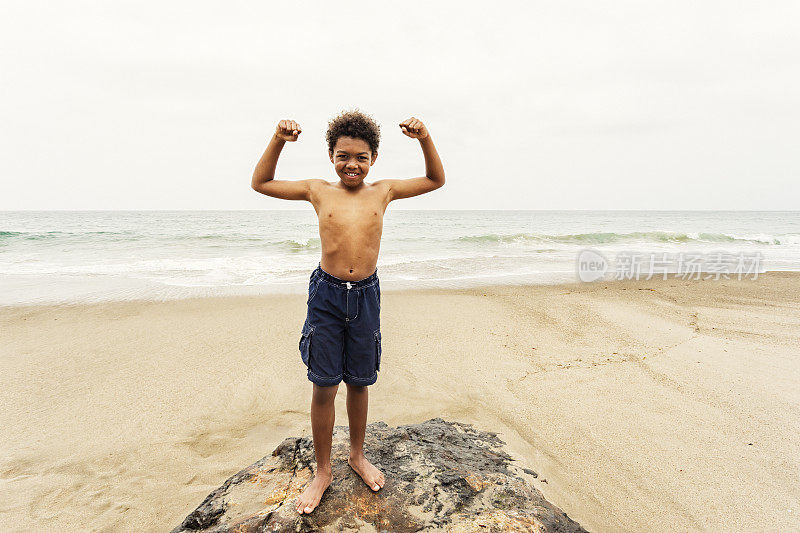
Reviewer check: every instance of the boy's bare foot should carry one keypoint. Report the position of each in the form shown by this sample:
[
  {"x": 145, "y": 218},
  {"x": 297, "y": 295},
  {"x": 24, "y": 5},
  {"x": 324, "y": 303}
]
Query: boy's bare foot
[
  {"x": 371, "y": 475},
  {"x": 310, "y": 497}
]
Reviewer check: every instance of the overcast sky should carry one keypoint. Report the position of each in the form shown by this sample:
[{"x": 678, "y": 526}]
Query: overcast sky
[{"x": 532, "y": 105}]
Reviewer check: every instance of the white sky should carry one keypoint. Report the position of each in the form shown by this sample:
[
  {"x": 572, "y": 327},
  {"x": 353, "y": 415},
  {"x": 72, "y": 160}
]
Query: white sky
[{"x": 532, "y": 105}]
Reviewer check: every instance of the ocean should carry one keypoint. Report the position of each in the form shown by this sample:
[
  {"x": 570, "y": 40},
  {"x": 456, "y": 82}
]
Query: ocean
[{"x": 90, "y": 256}]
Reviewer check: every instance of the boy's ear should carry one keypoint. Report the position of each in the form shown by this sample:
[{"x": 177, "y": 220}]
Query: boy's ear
[
  {"x": 330, "y": 154},
  {"x": 374, "y": 157}
]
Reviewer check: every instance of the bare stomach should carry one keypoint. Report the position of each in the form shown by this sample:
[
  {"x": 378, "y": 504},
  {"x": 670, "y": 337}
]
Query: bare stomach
[{"x": 351, "y": 268}]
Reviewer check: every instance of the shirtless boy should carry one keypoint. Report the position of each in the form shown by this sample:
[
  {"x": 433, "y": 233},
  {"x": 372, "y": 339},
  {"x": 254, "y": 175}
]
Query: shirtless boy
[{"x": 340, "y": 340}]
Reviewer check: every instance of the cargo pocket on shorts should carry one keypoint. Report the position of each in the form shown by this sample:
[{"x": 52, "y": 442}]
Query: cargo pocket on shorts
[
  {"x": 377, "y": 350},
  {"x": 305, "y": 343}
]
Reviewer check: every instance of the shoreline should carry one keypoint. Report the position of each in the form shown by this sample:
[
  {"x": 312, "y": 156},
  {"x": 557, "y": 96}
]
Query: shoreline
[
  {"x": 295, "y": 289},
  {"x": 636, "y": 400}
]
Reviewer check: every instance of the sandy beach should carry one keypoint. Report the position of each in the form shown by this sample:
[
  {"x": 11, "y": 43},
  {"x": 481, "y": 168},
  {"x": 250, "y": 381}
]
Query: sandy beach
[{"x": 660, "y": 405}]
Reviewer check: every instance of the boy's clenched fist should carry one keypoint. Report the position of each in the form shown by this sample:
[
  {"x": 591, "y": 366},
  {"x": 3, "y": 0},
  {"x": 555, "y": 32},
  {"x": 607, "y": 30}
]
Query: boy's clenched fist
[
  {"x": 288, "y": 130},
  {"x": 414, "y": 128}
]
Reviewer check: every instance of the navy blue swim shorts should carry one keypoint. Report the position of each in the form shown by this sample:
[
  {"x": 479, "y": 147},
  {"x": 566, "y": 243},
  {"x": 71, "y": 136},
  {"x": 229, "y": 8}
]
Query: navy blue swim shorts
[{"x": 341, "y": 337}]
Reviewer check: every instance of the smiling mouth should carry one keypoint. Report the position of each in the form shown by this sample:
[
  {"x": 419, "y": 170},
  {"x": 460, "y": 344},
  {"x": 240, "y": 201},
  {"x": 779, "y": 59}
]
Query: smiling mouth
[{"x": 352, "y": 174}]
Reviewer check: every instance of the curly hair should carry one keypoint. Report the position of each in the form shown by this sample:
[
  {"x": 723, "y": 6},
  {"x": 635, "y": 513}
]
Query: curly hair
[{"x": 354, "y": 124}]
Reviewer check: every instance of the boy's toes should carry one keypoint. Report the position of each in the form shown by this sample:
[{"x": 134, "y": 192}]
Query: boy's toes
[{"x": 303, "y": 506}]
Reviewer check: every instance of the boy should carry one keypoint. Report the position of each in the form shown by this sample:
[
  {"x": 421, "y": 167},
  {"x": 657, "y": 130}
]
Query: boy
[{"x": 340, "y": 340}]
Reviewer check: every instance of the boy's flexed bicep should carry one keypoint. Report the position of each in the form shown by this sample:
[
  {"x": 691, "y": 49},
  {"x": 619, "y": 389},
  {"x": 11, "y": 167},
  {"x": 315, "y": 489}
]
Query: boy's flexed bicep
[
  {"x": 264, "y": 174},
  {"x": 434, "y": 171},
  {"x": 406, "y": 188},
  {"x": 288, "y": 189}
]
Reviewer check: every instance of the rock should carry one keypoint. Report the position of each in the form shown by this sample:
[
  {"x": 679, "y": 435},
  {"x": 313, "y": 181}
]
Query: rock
[{"x": 439, "y": 475}]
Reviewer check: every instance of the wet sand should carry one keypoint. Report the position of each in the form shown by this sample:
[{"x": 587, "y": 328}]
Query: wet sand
[{"x": 643, "y": 405}]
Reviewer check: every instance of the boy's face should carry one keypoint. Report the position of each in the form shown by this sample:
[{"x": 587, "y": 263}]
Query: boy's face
[{"x": 352, "y": 158}]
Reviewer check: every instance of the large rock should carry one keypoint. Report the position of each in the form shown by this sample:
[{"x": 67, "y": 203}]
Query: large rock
[{"x": 439, "y": 475}]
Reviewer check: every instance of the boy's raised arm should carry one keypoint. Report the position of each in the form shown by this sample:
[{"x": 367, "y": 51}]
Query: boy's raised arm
[
  {"x": 264, "y": 175},
  {"x": 434, "y": 170}
]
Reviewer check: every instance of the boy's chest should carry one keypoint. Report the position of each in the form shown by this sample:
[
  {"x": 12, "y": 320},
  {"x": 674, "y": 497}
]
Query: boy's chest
[
  {"x": 352, "y": 219},
  {"x": 353, "y": 215}
]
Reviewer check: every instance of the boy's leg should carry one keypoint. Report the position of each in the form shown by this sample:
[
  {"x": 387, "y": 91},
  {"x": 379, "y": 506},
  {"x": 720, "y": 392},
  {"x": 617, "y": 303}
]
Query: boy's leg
[
  {"x": 362, "y": 362},
  {"x": 357, "y": 405},
  {"x": 323, "y": 415}
]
